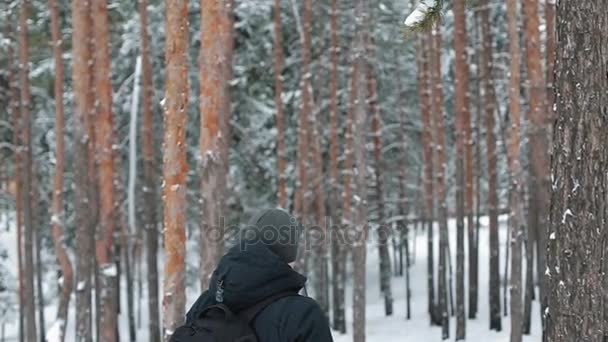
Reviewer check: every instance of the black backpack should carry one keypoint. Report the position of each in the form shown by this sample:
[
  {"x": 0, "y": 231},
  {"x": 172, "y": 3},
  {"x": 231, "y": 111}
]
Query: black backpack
[{"x": 218, "y": 323}]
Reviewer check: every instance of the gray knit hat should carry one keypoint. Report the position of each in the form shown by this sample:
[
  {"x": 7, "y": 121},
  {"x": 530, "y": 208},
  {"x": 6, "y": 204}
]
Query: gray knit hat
[{"x": 278, "y": 230}]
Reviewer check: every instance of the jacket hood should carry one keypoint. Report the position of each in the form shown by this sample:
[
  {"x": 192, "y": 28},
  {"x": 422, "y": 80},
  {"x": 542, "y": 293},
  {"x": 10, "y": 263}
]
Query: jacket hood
[{"x": 247, "y": 274}]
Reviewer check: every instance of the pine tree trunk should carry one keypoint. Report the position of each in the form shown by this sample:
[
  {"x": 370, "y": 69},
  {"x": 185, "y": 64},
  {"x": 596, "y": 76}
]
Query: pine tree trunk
[
  {"x": 383, "y": 232},
  {"x": 150, "y": 189},
  {"x": 303, "y": 201},
  {"x": 539, "y": 183},
  {"x": 338, "y": 251},
  {"x": 490, "y": 112},
  {"x": 550, "y": 51},
  {"x": 576, "y": 258},
  {"x": 279, "y": 64},
  {"x": 359, "y": 209},
  {"x": 215, "y": 28},
  {"x": 57, "y": 218},
  {"x": 424, "y": 89},
  {"x": 82, "y": 81},
  {"x": 37, "y": 251},
  {"x": 440, "y": 174},
  {"x": 404, "y": 207},
  {"x": 104, "y": 141},
  {"x": 516, "y": 218},
  {"x": 464, "y": 166},
  {"x": 175, "y": 166},
  {"x": 26, "y": 132},
  {"x": 15, "y": 117}
]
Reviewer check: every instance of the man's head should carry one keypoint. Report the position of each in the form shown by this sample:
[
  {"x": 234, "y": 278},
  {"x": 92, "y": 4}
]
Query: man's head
[{"x": 276, "y": 229}]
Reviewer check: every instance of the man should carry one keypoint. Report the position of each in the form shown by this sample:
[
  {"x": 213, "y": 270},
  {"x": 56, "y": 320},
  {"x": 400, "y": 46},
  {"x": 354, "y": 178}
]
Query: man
[{"x": 256, "y": 269}]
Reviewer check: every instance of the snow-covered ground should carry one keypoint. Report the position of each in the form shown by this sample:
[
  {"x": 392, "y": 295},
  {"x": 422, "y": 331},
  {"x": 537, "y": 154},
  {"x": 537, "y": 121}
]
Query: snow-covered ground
[{"x": 379, "y": 328}]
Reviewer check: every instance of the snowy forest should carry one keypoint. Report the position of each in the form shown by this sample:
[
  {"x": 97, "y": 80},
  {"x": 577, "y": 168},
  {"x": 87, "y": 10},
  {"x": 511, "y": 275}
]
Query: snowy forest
[{"x": 447, "y": 158}]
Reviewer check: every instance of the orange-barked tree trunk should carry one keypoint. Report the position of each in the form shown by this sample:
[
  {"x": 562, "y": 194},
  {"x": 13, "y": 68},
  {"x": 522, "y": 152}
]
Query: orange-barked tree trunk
[
  {"x": 104, "y": 141},
  {"x": 175, "y": 165},
  {"x": 82, "y": 81},
  {"x": 215, "y": 28}
]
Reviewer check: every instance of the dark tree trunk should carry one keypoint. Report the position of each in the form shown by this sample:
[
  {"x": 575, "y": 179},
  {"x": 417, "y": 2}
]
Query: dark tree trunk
[
  {"x": 150, "y": 190},
  {"x": 489, "y": 113},
  {"x": 440, "y": 134},
  {"x": 576, "y": 292},
  {"x": 424, "y": 91}
]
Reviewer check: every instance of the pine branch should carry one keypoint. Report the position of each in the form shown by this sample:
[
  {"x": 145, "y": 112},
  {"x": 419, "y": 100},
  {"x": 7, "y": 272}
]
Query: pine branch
[{"x": 424, "y": 16}]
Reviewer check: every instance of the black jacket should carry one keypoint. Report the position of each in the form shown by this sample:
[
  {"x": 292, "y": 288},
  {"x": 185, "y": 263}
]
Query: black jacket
[{"x": 254, "y": 273}]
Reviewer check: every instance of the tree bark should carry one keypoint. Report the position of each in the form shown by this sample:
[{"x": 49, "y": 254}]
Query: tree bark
[
  {"x": 490, "y": 112},
  {"x": 575, "y": 278},
  {"x": 26, "y": 132},
  {"x": 550, "y": 51},
  {"x": 303, "y": 201},
  {"x": 150, "y": 189},
  {"x": 424, "y": 91},
  {"x": 175, "y": 166},
  {"x": 215, "y": 27},
  {"x": 104, "y": 141},
  {"x": 463, "y": 136},
  {"x": 57, "y": 218},
  {"x": 15, "y": 117},
  {"x": 279, "y": 64},
  {"x": 440, "y": 174},
  {"x": 539, "y": 182},
  {"x": 337, "y": 247},
  {"x": 383, "y": 231},
  {"x": 82, "y": 84},
  {"x": 516, "y": 218},
  {"x": 359, "y": 209}
]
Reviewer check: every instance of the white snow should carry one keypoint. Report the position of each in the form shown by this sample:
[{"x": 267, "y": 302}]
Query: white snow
[
  {"x": 552, "y": 236},
  {"x": 567, "y": 213},
  {"x": 54, "y": 333},
  {"x": 419, "y": 13},
  {"x": 379, "y": 328},
  {"x": 110, "y": 271},
  {"x": 81, "y": 285}
]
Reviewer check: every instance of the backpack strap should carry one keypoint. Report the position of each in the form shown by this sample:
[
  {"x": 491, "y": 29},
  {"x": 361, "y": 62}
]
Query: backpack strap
[{"x": 251, "y": 312}]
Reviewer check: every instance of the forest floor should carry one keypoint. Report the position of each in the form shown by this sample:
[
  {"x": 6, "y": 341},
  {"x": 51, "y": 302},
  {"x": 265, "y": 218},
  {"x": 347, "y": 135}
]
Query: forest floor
[{"x": 379, "y": 327}]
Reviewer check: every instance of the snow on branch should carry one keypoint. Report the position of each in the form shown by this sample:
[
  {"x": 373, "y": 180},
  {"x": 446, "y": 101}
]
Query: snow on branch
[{"x": 424, "y": 15}]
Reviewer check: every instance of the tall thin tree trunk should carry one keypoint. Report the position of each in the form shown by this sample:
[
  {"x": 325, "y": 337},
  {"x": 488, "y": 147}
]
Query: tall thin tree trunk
[
  {"x": 463, "y": 131},
  {"x": 175, "y": 166},
  {"x": 338, "y": 251},
  {"x": 383, "y": 231},
  {"x": 550, "y": 55},
  {"x": 83, "y": 106},
  {"x": 577, "y": 234},
  {"x": 279, "y": 63},
  {"x": 539, "y": 146},
  {"x": 57, "y": 218},
  {"x": 303, "y": 201},
  {"x": 359, "y": 212},
  {"x": 15, "y": 108},
  {"x": 37, "y": 254},
  {"x": 440, "y": 174},
  {"x": 404, "y": 207},
  {"x": 215, "y": 27},
  {"x": 150, "y": 189},
  {"x": 424, "y": 91},
  {"x": 490, "y": 112},
  {"x": 104, "y": 141},
  {"x": 26, "y": 131},
  {"x": 516, "y": 211}
]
